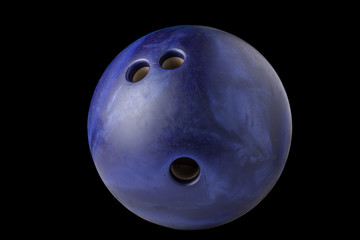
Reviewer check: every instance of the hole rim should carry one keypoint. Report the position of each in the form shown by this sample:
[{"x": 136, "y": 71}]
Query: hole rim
[
  {"x": 188, "y": 181},
  {"x": 173, "y": 52},
  {"x": 134, "y": 67}
]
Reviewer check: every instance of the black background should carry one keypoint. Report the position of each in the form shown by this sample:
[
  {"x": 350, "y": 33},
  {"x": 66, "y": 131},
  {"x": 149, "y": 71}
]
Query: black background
[{"x": 68, "y": 49}]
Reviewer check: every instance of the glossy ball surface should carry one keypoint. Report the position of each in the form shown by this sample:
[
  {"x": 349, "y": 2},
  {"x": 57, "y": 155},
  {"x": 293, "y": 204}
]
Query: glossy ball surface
[{"x": 189, "y": 127}]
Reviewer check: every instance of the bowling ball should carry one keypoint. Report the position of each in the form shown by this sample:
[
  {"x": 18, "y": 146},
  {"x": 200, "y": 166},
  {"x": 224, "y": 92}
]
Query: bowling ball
[{"x": 189, "y": 127}]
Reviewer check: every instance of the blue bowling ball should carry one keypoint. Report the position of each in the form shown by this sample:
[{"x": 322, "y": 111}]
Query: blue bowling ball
[{"x": 189, "y": 127}]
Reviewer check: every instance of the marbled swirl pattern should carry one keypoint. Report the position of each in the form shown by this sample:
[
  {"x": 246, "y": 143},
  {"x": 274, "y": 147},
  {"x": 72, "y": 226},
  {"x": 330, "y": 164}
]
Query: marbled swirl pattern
[{"x": 224, "y": 107}]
